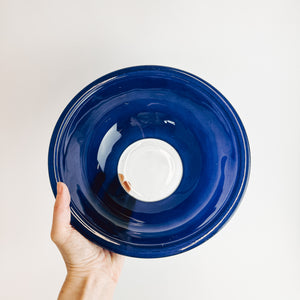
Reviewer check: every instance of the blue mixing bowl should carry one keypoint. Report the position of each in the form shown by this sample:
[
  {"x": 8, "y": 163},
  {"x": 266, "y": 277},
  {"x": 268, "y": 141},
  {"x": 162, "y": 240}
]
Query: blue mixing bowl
[{"x": 155, "y": 158}]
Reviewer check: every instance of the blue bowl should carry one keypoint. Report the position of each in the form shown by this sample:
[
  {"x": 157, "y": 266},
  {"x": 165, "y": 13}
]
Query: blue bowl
[{"x": 140, "y": 105}]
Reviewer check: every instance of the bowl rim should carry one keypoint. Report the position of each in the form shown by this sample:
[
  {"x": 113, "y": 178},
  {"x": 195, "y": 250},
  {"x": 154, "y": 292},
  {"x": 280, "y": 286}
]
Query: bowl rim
[{"x": 78, "y": 221}]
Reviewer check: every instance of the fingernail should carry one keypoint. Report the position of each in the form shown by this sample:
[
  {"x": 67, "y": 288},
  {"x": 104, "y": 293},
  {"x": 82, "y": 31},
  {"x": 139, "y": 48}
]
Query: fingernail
[{"x": 59, "y": 188}]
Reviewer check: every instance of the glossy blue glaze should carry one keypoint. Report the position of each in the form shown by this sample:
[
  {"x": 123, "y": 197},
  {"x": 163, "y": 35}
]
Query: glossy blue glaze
[{"x": 150, "y": 102}]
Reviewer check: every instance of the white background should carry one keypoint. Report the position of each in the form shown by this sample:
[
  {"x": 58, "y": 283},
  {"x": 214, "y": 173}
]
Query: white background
[{"x": 249, "y": 50}]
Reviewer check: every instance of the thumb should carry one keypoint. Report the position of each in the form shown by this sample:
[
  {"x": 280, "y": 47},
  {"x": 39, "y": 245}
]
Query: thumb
[{"x": 61, "y": 214}]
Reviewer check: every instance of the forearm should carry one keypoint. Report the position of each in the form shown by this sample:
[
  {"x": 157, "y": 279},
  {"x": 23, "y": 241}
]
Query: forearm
[{"x": 87, "y": 286}]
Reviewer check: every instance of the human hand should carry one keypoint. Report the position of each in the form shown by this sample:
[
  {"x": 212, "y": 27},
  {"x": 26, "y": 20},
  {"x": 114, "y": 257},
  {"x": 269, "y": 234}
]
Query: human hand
[{"x": 92, "y": 272}]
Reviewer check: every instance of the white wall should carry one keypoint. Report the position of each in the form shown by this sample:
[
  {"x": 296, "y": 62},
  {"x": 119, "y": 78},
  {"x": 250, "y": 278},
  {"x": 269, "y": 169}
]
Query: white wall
[{"x": 249, "y": 50}]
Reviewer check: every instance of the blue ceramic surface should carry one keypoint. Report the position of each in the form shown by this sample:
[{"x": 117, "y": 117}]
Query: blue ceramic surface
[{"x": 150, "y": 102}]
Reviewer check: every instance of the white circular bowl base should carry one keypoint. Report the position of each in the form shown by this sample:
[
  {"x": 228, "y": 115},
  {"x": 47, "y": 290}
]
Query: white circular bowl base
[{"x": 150, "y": 170}]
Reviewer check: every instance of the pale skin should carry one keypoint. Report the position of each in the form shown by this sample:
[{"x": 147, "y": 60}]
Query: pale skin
[{"x": 92, "y": 272}]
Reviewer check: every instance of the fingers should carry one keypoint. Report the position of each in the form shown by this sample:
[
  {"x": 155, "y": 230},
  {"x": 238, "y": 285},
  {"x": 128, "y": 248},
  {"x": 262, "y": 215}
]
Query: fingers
[{"x": 61, "y": 214}]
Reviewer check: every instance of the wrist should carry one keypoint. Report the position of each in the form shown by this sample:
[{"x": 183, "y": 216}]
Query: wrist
[
  {"x": 93, "y": 270},
  {"x": 91, "y": 275},
  {"x": 80, "y": 285}
]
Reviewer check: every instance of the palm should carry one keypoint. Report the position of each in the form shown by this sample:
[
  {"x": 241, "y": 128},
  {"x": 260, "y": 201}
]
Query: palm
[{"x": 79, "y": 253}]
